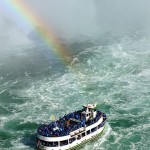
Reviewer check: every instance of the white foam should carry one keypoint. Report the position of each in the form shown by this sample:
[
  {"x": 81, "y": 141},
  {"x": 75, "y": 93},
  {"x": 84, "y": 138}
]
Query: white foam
[
  {"x": 18, "y": 145},
  {"x": 98, "y": 144},
  {"x": 105, "y": 135}
]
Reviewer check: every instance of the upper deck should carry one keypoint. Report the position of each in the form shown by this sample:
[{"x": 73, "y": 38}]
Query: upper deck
[{"x": 69, "y": 123}]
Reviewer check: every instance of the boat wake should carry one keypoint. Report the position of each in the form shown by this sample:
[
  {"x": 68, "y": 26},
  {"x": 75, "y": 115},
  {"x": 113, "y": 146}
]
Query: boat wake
[{"x": 98, "y": 144}]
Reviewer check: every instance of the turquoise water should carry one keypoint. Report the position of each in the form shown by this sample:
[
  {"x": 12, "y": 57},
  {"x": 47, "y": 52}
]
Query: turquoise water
[{"x": 112, "y": 70}]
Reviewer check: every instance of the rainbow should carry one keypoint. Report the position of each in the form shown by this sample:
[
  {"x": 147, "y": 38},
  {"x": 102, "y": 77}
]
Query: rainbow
[{"x": 27, "y": 17}]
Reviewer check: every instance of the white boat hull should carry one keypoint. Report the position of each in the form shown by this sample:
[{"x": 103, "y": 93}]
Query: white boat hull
[{"x": 75, "y": 143}]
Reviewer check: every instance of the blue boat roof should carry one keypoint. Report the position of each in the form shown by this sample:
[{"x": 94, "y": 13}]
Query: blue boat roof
[{"x": 66, "y": 124}]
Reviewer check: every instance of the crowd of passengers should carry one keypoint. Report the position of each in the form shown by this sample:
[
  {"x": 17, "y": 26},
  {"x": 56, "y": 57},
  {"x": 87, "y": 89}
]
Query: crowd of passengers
[{"x": 64, "y": 128}]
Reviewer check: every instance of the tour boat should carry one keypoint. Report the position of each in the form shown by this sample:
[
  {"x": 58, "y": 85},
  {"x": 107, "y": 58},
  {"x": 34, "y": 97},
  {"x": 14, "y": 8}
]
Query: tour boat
[{"x": 71, "y": 130}]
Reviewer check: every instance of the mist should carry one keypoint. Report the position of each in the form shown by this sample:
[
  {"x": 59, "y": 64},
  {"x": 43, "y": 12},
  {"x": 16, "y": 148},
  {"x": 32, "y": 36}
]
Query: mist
[
  {"x": 75, "y": 18},
  {"x": 123, "y": 14},
  {"x": 72, "y": 19},
  {"x": 10, "y": 34}
]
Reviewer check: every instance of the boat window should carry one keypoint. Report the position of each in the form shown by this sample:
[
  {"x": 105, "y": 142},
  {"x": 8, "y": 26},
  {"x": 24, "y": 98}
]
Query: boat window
[
  {"x": 52, "y": 144},
  {"x": 93, "y": 129},
  {"x": 78, "y": 137},
  {"x": 99, "y": 126},
  {"x": 65, "y": 142},
  {"x": 72, "y": 140},
  {"x": 48, "y": 144},
  {"x": 83, "y": 134},
  {"x": 44, "y": 143},
  {"x": 88, "y": 132}
]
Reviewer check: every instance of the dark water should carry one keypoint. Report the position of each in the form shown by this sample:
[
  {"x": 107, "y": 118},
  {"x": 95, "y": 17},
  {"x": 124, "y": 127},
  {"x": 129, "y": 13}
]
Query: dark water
[{"x": 112, "y": 70}]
